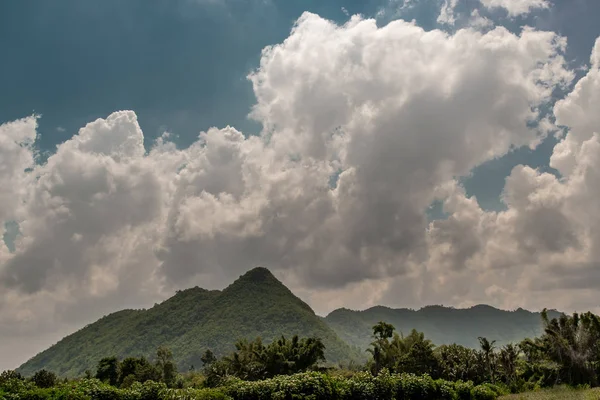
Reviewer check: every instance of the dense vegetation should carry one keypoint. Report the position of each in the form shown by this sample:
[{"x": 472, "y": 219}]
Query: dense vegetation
[
  {"x": 258, "y": 305},
  {"x": 443, "y": 325},
  {"x": 191, "y": 322},
  {"x": 196, "y": 345},
  {"x": 400, "y": 367}
]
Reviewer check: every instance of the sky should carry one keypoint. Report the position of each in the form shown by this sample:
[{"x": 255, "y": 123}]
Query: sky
[{"x": 395, "y": 152}]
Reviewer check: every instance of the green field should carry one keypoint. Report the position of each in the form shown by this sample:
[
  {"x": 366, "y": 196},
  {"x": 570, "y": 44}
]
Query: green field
[{"x": 557, "y": 394}]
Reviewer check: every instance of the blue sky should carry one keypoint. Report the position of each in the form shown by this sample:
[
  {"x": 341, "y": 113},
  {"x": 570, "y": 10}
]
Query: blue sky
[{"x": 182, "y": 65}]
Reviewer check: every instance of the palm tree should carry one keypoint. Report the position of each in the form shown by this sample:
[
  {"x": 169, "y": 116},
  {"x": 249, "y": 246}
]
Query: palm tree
[
  {"x": 380, "y": 350},
  {"x": 572, "y": 342},
  {"x": 487, "y": 348},
  {"x": 508, "y": 360}
]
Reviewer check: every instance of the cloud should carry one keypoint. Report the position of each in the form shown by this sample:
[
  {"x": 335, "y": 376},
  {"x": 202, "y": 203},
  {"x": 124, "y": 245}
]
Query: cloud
[
  {"x": 447, "y": 12},
  {"x": 516, "y": 8},
  {"x": 364, "y": 127},
  {"x": 16, "y": 153},
  {"x": 478, "y": 21},
  {"x": 547, "y": 242}
]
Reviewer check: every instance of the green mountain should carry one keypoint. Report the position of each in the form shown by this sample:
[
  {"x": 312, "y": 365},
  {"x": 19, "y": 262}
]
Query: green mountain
[
  {"x": 443, "y": 325},
  {"x": 257, "y": 304},
  {"x": 191, "y": 322}
]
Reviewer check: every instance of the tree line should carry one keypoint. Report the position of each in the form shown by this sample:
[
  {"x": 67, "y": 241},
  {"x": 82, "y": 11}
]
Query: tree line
[{"x": 568, "y": 352}]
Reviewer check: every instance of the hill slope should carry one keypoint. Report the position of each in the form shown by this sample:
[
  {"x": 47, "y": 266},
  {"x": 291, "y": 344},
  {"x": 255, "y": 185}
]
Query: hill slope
[
  {"x": 442, "y": 325},
  {"x": 191, "y": 322}
]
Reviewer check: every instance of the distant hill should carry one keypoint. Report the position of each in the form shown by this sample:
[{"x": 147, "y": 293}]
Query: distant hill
[
  {"x": 191, "y": 322},
  {"x": 443, "y": 325}
]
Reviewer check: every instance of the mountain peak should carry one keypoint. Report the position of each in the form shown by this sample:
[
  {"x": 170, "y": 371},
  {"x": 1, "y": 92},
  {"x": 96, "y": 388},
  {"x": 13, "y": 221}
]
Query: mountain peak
[
  {"x": 258, "y": 275},
  {"x": 192, "y": 321}
]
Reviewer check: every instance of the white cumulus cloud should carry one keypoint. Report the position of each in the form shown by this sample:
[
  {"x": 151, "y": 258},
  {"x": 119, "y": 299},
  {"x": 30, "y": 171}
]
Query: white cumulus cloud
[{"x": 545, "y": 248}]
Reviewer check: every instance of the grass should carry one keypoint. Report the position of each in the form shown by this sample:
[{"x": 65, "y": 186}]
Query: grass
[{"x": 561, "y": 393}]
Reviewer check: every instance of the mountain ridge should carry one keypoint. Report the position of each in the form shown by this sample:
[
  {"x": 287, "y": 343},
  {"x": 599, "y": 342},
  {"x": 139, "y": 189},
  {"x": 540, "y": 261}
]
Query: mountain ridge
[
  {"x": 258, "y": 304},
  {"x": 440, "y": 324}
]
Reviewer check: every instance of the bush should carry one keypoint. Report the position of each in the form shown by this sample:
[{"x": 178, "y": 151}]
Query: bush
[
  {"x": 194, "y": 394},
  {"x": 446, "y": 390},
  {"x": 305, "y": 386},
  {"x": 417, "y": 387},
  {"x": 463, "y": 389},
  {"x": 483, "y": 392}
]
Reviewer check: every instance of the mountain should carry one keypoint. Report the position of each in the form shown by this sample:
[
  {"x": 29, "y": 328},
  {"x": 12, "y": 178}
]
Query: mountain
[
  {"x": 189, "y": 323},
  {"x": 257, "y": 304},
  {"x": 442, "y": 325}
]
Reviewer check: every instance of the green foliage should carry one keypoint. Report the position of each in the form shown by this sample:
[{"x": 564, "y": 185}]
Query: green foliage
[
  {"x": 166, "y": 366},
  {"x": 7, "y": 375},
  {"x": 44, "y": 379},
  {"x": 362, "y": 386},
  {"x": 189, "y": 323},
  {"x": 125, "y": 373},
  {"x": 108, "y": 370},
  {"x": 208, "y": 358},
  {"x": 567, "y": 352},
  {"x": 253, "y": 360},
  {"x": 456, "y": 362},
  {"x": 463, "y": 389},
  {"x": 411, "y": 354},
  {"x": 443, "y": 325},
  {"x": 482, "y": 393},
  {"x": 402, "y": 367},
  {"x": 308, "y": 385}
]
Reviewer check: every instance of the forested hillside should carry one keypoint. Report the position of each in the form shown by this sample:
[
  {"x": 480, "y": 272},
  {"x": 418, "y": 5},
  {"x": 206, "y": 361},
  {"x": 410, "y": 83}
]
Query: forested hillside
[
  {"x": 443, "y": 325},
  {"x": 191, "y": 322},
  {"x": 258, "y": 305}
]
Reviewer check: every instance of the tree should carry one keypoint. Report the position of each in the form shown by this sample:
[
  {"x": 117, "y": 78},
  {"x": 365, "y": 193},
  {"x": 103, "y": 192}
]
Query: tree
[
  {"x": 508, "y": 358},
  {"x": 413, "y": 353},
  {"x": 10, "y": 374},
  {"x": 208, "y": 358},
  {"x": 108, "y": 370},
  {"x": 573, "y": 343},
  {"x": 383, "y": 330},
  {"x": 487, "y": 348},
  {"x": 253, "y": 360},
  {"x": 145, "y": 371},
  {"x": 128, "y": 371},
  {"x": 166, "y": 365},
  {"x": 419, "y": 358},
  {"x": 380, "y": 350},
  {"x": 44, "y": 379},
  {"x": 457, "y": 362}
]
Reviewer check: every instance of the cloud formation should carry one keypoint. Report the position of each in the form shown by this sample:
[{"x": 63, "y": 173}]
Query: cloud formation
[
  {"x": 544, "y": 249},
  {"x": 515, "y": 8},
  {"x": 364, "y": 127}
]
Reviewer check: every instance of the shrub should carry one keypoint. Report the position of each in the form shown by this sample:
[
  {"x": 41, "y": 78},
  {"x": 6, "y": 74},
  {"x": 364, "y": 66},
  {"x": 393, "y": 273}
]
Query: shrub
[
  {"x": 446, "y": 390},
  {"x": 305, "y": 386},
  {"x": 483, "y": 392},
  {"x": 463, "y": 389},
  {"x": 194, "y": 394},
  {"x": 417, "y": 387},
  {"x": 386, "y": 385}
]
